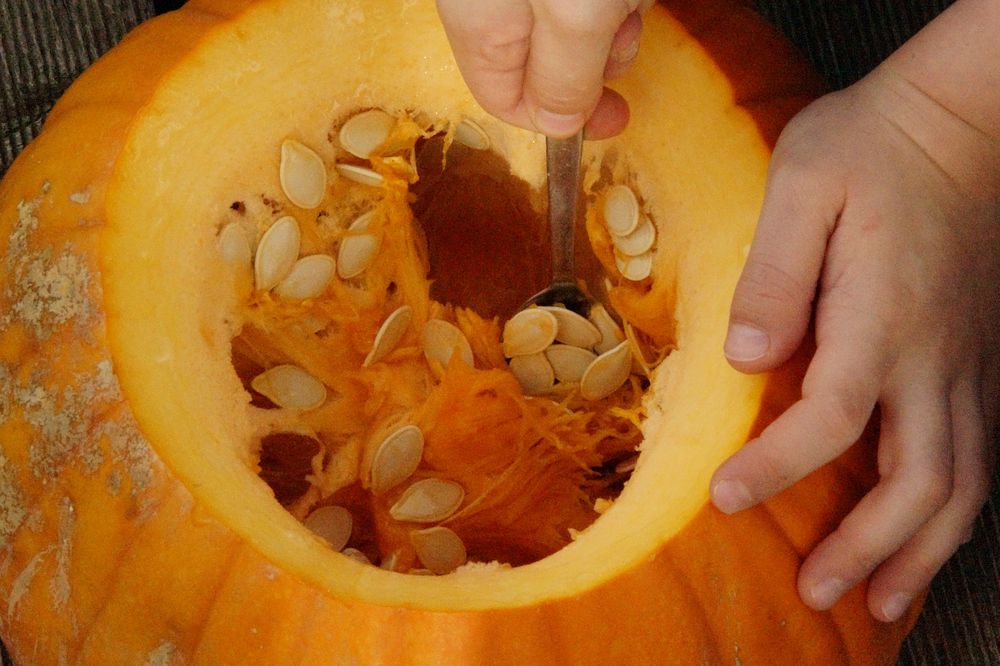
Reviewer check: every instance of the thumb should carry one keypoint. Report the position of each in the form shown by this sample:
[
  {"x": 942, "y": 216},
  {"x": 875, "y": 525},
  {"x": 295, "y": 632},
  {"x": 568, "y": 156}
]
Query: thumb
[
  {"x": 570, "y": 47},
  {"x": 773, "y": 300}
]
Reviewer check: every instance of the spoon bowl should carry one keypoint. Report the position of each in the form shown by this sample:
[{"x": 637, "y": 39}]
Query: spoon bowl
[{"x": 566, "y": 294}]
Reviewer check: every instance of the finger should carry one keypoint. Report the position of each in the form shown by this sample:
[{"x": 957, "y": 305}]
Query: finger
[
  {"x": 609, "y": 118},
  {"x": 491, "y": 42},
  {"x": 570, "y": 46},
  {"x": 916, "y": 482},
  {"x": 773, "y": 298},
  {"x": 902, "y": 577},
  {"x": 839, "y": 392},
  {"x": 624, "y": 46}
]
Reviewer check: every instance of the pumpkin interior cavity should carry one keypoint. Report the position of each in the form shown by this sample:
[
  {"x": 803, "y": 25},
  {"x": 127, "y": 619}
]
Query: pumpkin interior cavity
[
  {"x": 391, "y": 385},
  {"x": 173, "y": 307}
]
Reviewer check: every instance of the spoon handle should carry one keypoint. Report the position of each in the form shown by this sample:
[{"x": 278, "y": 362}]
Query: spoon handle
[{"x": 563, "y": 164}]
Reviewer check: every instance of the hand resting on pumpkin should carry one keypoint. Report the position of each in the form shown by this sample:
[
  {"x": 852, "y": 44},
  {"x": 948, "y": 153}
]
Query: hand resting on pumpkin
[
  {"x": 883, "y": 205},
  {"x": 880, "y": 227}
]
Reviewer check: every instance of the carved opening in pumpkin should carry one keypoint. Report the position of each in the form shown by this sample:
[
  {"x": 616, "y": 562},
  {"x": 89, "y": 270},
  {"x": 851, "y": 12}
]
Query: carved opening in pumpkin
[{"x": 380, "y": 353}]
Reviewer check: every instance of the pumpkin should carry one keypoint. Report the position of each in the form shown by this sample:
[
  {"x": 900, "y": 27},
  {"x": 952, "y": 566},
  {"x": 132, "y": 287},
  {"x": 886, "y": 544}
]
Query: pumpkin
[{"x": 260, "y": 367}]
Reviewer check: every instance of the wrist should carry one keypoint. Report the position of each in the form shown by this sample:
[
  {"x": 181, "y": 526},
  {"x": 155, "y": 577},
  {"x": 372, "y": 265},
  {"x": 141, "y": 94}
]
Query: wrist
[
  {"x": 954, "y": 61},
  {"x": 960, "y": 148}
]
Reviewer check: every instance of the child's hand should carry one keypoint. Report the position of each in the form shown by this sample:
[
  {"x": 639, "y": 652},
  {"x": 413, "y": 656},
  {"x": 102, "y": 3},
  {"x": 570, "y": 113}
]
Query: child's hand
[
  {"x": 541, "y": 64},
  {"x": 884, "y": 207}
]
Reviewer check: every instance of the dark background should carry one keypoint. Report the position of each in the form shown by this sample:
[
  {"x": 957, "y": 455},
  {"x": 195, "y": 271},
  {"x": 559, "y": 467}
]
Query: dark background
[{"x": 44, "y": 44}]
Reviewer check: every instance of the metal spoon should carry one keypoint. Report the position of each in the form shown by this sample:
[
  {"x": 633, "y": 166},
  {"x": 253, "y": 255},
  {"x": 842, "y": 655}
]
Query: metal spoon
[{"x": 563, "y": 164}]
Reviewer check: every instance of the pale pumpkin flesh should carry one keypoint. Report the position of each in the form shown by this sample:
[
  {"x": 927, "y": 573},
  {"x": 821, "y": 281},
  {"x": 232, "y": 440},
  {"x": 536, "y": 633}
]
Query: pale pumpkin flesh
[{"x": 136, "y": 523}]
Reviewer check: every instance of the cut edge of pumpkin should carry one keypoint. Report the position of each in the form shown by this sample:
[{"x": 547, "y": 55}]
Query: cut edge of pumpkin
[{"x": 193, "y": 440}]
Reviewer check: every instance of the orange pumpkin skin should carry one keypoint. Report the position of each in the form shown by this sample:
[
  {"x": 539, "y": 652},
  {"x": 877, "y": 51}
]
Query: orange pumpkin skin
[{"x": 109, "y": 557}]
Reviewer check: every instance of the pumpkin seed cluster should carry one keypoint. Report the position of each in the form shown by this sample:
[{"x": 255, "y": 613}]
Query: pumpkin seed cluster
[{"x": 575, "y": 364}]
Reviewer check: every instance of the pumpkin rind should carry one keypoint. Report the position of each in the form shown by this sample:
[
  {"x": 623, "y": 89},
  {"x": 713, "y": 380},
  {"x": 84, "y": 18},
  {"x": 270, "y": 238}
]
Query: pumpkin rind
[{"x": 115, "y": 552}]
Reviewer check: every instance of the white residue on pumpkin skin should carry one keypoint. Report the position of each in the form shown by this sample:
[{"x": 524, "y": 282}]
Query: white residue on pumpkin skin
[
  {"x": 63, "y": 418},
  {"x": 130, "y": 449},
  {"x": 35, "y": 521},
  {"x": 59, "y": 586},
  {"x": 73, "y": 409},
  {"x": 80, "y": 198},
  {"x": 6, "y": 390},
  {"x": 48, "y": 290},
  {"x": 23, "y": 581},
  {"x": 17, "y": 241},
  {"x": 51, "y": 291},
  {"x": 13, "y": 509},
  {"x": 44, "y": 291},
  {"x": 165, "y": 654}
]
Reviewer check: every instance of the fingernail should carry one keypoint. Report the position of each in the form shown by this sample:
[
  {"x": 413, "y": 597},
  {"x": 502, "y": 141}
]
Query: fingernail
[
  {"x": 825, "y": 593},
  {"x": 896, "y": 605},
  {"x": 731, "y": 496},
  {"x": 557, "y": 124},
  {"x": 746, "y": 343},
  {"x": 628, "y": 53}
]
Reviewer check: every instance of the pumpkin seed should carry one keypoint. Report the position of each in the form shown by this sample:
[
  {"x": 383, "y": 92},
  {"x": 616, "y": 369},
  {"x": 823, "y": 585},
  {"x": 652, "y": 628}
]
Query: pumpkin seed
[
  {"x": 569, "y": 362},
  {"x": 628, "y": 465},
  {"x": 359, "y": 174},
  {"x": 356, "y": 555},
  {"x": 607, "y": 373},
  {"x": 635, "y": 268},
  {"x": 234, "y": 245},
  {"x": 389, "y": 334},
  {"x": 441, "y": 339},
  {"x": 529, "y": 332},
  {"x": 428, "y": 501},
  {"x": 574, "y": 329},
  {"x": 358, "y": 250},
  {"x": 332, "y": 523},
  {"x": 439, "y": 549},
  {"x": 302, "y": 174},
  {"x": 611, "y": 332},
  {"x": 309, "y": 278},
  {"x": 621, "y": 210},
  {"x": 276, "y": 253},
  {"x": 471, "y": 135},
  {"x": 533, "y": 372},
  {"x": 397, "y": 458},
  {"x": 646, "y": 354},
  {"x": 291, "y": 387},
  {"x": 390, "y": 561},
  {"x": 362, "y": 134},
  {"x": 639, "y": 241}
]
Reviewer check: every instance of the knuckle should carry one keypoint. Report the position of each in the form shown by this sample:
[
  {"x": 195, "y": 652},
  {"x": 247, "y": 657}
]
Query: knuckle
[
  {"x": 933, "y": 489},
  {"x": 922, "y": 565},
  {"x": 586, "y": 18},
  {"x": 564, "y": 96},
  {"x": 855, "y": 546},
  {"x": 799, "y": 185},
  {"x": 500, "y": 50},
  {"x": 972, "y": 489},
  {"x": 840, "y": 415},
  {"x": 764, "y": 286},
  {"x": 792, "y": 172},
  {"x": 771, "y": 472}
]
